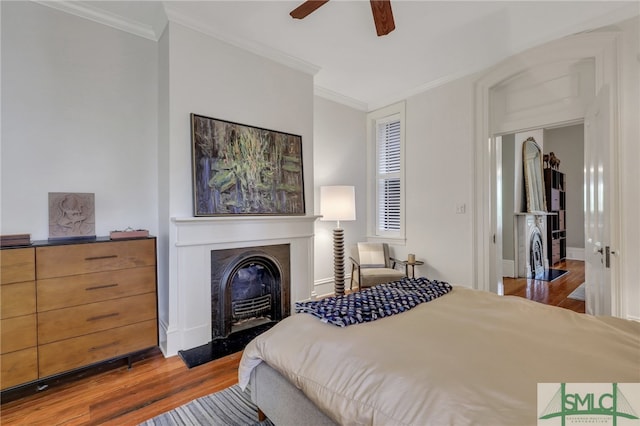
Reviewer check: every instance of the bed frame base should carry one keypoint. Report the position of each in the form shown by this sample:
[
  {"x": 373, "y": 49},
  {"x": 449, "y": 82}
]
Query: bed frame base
[{"x": 281, "y": 401}]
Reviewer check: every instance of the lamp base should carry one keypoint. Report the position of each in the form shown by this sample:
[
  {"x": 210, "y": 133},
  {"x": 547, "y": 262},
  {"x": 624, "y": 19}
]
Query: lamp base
[{"x": 338, "y": 261}]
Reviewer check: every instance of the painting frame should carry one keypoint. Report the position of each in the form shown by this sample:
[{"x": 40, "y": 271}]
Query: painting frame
[{"x": 238, "y": 169}]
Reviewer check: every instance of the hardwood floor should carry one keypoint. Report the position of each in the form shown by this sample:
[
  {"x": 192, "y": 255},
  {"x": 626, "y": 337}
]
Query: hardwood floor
[
  {"x": 121, "y": 396},
  {"x": 551, "y": 292},
  {"x": 156, "y": 384}
]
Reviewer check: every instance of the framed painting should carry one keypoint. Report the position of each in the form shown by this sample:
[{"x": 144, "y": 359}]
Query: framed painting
[{"x": 245, "y": 170}]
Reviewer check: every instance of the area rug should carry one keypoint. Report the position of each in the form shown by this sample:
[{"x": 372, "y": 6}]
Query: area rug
[
  {"x": 222, "y": 347},
  {"x": 551, "y": 274},
  {"x": 229, "y": 407},
  {"x": 578, "y": 293}
]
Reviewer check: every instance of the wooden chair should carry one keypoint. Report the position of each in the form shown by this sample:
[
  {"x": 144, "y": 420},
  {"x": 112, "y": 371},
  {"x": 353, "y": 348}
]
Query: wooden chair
[{"x": 371, "y": 265}]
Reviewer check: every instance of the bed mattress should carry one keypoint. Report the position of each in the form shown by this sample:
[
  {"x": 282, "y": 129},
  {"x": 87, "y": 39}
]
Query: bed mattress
[{"x": 468, "y": 357}]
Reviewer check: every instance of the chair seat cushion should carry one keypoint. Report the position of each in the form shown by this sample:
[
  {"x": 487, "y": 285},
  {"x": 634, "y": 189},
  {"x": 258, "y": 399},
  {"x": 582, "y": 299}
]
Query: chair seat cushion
[
  {"x": 374, "y": 276},
  {"x": 383, "y": 272}
]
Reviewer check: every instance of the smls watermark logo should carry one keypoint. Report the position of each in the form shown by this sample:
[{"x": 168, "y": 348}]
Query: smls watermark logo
[{"x": 616, "y": 404}]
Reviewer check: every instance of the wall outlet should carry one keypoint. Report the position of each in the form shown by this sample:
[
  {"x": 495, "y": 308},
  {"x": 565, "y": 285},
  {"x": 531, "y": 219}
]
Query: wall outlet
[{"x": 461, "y": 208}]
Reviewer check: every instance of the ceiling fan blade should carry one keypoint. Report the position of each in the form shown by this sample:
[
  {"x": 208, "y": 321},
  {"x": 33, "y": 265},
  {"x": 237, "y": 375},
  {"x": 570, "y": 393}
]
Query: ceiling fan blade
[
  {"x": 306, "y": 8},
  {"x": 382, "y": 16}
]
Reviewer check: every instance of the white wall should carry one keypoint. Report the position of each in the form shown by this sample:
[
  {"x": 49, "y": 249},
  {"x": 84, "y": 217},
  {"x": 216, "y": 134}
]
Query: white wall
[
  {"x": 339, "y": 155},
  {"x": 439, "y": 176},
  {"x": 212, "y": 78},
  {"x": 79, "y": 104},
  {"x": 509, "y": 154},
  {"x": 203, "y": 75}
]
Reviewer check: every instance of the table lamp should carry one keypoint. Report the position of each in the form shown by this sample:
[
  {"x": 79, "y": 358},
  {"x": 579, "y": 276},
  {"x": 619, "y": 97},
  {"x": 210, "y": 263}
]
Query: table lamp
[{"x": 338, "y": 203}]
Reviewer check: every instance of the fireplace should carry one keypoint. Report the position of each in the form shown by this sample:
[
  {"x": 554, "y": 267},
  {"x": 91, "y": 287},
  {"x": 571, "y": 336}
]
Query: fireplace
[
  {"x": 536, "y": 253},
  {"x": 530, "y": 244},
  {"x": 186, "y": 281},
  {"x": 249, "y": 287}
]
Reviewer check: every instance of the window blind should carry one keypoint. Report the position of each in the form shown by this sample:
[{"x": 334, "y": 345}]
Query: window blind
[{"x": 388, "y": 175}]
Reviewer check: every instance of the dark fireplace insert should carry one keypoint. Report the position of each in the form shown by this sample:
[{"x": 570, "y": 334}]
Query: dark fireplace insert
[
  {"x": 537, "y": 254},
  {"x": 250, "y": 292},
  {"x": 250, "y": 286}
]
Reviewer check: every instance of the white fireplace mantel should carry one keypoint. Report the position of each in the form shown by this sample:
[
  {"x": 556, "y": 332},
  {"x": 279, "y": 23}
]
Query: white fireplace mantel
[
  {"x": 191, "y": 241},
  {"x": 524, "y": 226}
]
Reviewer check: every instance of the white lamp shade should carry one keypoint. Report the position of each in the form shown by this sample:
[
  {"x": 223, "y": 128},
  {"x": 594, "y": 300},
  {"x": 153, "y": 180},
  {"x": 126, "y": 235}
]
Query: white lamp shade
[{"x": 338, "y": 202}]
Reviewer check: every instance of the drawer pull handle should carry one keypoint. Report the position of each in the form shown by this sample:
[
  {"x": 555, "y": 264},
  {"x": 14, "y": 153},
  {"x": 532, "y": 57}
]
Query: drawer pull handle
[
  {"x": 97, "y": 348},
  {"x": 99, "y": 317},
  {"x": 111, "y": 256},
  {"x": 98, "y": 287}
]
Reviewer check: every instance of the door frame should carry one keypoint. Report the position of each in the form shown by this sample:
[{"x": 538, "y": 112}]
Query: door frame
[{"x": 602, "y": 48}]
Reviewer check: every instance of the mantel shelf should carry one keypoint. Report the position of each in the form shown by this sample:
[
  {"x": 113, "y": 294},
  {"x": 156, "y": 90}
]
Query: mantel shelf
[
  {"x": 243, "y": 218},
  {"x": 535, "y": 213}
]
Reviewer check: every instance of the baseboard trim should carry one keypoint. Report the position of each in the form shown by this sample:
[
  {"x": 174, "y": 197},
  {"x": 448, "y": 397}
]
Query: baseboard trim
[
  {"x": 508, "y": 268},
  {"x": 575, "y": 253},
  {"x": 324, "y": 287}
]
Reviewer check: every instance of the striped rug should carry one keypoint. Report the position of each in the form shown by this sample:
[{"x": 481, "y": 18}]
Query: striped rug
[
  {"x": 578, "y": 293},
  {"x": 229, "y": 407}
]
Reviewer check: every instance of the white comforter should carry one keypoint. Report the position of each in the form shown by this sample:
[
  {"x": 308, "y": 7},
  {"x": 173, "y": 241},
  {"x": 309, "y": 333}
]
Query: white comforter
[{"x": 469, "y": 357}]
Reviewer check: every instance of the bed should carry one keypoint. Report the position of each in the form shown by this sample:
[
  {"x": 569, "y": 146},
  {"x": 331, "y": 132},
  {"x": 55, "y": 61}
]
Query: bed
[{"x": 467, "y": 357}]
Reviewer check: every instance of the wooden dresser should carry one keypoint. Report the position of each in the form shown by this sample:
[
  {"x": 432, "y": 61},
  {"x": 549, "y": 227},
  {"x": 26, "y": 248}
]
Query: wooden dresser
[
  {"x": 93, "y": 301},
  {"x": 18, "y": 340}
]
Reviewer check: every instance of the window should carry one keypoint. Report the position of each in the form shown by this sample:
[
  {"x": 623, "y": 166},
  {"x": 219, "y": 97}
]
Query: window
[
  {"x": 388, "y": 175},
  {"x": 386, "y": 184}
]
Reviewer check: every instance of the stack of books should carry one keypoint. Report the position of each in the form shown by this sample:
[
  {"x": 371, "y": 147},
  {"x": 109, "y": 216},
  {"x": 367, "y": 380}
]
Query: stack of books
[{"x": 15, "y": 240}]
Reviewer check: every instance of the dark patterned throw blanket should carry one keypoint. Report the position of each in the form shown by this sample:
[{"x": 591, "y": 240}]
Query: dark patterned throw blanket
[{"x": 376, "y": 302}]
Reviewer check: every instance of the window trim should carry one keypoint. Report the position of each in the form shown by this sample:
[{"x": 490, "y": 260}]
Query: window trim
[{"x": 373, "y": 118}]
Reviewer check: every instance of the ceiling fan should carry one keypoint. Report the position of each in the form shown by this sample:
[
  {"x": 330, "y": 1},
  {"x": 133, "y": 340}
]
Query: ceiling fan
[{"x": 381, "y": 9}]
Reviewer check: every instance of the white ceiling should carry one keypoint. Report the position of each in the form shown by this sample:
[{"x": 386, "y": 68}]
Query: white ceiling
[{"x": 434, "y": 41}]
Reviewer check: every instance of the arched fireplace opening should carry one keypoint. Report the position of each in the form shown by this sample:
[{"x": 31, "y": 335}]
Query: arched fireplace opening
[
  {"x": 249, "y": 288},
  {"x": 537, "y": 253},
  {"x": 531, "y": 243},
  {"x": 251, "y": 293}
]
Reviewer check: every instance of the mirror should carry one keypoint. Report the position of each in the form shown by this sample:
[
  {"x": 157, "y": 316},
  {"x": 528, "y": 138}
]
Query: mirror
[{"x": 533, "y": 180}]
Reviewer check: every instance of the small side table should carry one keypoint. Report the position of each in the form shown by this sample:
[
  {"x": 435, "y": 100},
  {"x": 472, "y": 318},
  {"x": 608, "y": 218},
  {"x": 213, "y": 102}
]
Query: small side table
[{"x": 408, "y": 264}]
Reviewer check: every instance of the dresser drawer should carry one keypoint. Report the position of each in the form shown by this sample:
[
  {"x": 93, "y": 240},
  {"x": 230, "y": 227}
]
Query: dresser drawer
[
  {"x": 18, "y": 367},
  {"x": 17, "y": 265},
  {"x": 17, "y": 333},
  {"x": 65, "y": 323},
  {"x": 64, "y": 260},
  {"x": 85, "y": 350},
  {"x": 17, "y": 299},
  {"x": 56, "y": 293}
]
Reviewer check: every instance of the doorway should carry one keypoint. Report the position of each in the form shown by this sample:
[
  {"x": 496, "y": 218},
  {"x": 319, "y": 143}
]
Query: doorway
[
  {"x": 567, "y": 145},
  {"x": 549, "y": 85}
]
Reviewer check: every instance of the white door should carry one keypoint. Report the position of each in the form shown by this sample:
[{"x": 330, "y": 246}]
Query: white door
[
  {"x": 598, "y": 256},
  {"x": 495, "y": 269}
]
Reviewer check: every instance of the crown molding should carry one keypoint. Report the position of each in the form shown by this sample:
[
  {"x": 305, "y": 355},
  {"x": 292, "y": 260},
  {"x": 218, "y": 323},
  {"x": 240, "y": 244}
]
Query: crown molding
[
  {"x": 339, "y": 98},
  {"x": 254, "y": 47},
  {"x": 390, "y": 100},
  {"x": 380, "y": 103},
  {"x": 88, "y": 11}
]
